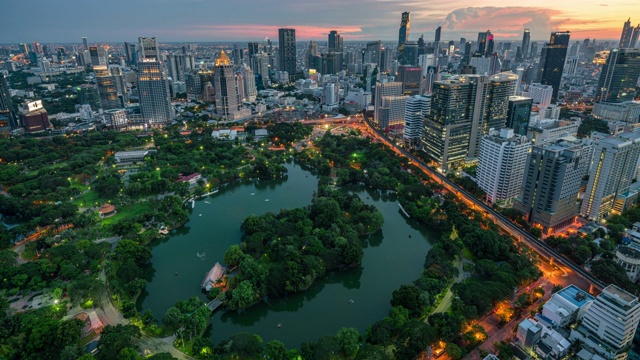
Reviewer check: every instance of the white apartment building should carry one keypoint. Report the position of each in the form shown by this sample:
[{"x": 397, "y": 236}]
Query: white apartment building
[{"x": 501, "y": 165}]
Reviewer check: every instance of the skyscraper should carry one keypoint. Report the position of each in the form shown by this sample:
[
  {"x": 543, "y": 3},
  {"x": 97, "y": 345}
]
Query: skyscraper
[
  {"x": 107, "y": 90},
  {"x": 287, "y": 51},
  {"x": 463, "y": 109},
  {"x": 485, "y": 43},
  {"x": 615, "y": 162},
  {"x": 373, "y": 52},
  {"x": 411, "y": 79},
  {"x": 130, "y": 53},
  {"x": 501, "y": 161},
  {"x": 416, "y": 108},
  {"x": 553, "y": 172},
  {"x": 519, "y": 113},
  {"x": 526, "y": 39},
  {"x": 608, "y": 325},
  {"x": 619, "y": 76},
  {"x": 403, "y": 33},
  {"x": 438, "y": 34},
  {"x": 252, "y": 49},
  {"x": 552, "y": 61},
  {"x": 335, "y": 43},
  {"x": 627, "y": 34},
  {"x": 153, "y": 87},
  {"x": 6, "y": 105},
  {"x": 85, "y": 44},
  {"x": 389, "y": 105},
  {"x": 148, "y": 48},
  {"x": 634, "y": 38},
  {"x": 98, "y": 55},
  {"x": 227, "y": 97}
]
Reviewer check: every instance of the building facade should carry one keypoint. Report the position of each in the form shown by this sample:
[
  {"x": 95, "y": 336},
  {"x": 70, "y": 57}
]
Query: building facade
[
  {"x": 287, "y": 51},
  {"x": 503, "y": 155},
  {"x": 615, "y": 164},
  {"x": 519, "y": 113},
  {"x": 551, "y": 183}
]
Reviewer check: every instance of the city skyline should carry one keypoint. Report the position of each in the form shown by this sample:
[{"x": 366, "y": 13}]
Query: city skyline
[{"x": 197, "y": 20}]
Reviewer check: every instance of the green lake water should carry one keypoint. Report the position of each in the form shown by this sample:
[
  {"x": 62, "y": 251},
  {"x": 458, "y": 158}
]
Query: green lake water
[{"x": 393, "y": 256}]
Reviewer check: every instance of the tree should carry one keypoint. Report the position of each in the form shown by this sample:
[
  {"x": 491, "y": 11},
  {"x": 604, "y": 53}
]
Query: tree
[
  {"x": 242, "y": 296},
  {"x": 128, "y": 354},
  {"x": 454, "y": 351},
  {"x": 172, "y": 318},
  {"x": 161, "y": 356},
  {"x": 115, "y": 338},
  {"x": 245, "y": 345},
  {"x": 348, "y": 339},
  {"x": 276, "y": 350},
  {"x": 409, "y": 297},
  {"x": 107, "y": 186},
  {"x": 233, "y": 255}
]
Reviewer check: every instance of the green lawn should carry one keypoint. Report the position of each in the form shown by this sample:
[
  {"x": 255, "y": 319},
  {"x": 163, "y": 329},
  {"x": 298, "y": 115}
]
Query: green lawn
[
  {"x": 467, "y": 254},
  {"x": 54, "y": 166},
  {"x": 128, "y": 211},
  {"x": 88, "y": 199}
]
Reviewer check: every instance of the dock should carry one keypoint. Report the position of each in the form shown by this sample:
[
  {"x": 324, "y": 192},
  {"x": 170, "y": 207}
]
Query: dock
[{"x": 403, "y": 210}]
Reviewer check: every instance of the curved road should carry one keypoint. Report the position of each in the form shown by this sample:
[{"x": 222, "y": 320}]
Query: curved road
[{"x": 537, "y": 245}]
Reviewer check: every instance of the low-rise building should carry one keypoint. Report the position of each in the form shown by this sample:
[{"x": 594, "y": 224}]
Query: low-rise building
[
  {"x": 130, "y": 156},
  {"x": 566, "y": 305},
  {"x": 629, "y": 258}
]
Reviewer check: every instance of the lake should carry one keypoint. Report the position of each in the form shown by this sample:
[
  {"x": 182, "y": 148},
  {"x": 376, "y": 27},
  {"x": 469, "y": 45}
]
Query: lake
[{"x": 355, "y": 298}]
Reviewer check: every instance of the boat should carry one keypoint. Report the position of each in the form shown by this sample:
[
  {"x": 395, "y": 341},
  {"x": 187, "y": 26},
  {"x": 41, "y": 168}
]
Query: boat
[
  {"x": 206, "y": 202},
  {"x": 253, "y": 194},
  {"x": 279, "y": 325},
  {"x": 351, "y": 301},
  {"x": 199, "y": 214},
  {"x": 266, "y": 199}
]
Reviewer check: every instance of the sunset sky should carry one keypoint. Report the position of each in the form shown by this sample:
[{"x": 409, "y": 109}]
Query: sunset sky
[{"x": 244, "y": 20}]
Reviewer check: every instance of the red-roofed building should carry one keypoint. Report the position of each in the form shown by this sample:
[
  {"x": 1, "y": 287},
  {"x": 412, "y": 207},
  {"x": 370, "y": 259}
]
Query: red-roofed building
[{"x": 191, "y": 179}]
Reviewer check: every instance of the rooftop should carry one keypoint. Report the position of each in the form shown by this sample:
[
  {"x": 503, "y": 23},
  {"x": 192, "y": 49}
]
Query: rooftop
[
  {"x": 619, "y": 293},
  {"x": 575, "y": 295}
]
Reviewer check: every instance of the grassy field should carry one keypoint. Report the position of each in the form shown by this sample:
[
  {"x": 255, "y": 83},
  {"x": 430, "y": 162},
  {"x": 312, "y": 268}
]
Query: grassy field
[
  {"x": 128, "y": 211},
  {"x": 54, "y": 166}
]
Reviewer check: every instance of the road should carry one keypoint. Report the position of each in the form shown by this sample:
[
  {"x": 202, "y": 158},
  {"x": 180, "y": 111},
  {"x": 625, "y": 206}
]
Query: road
[{"x": 507, "y": 225}]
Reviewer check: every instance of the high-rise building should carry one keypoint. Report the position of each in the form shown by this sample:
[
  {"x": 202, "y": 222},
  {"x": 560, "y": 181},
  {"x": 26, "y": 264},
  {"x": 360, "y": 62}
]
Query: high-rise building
[
  {"x": 608, "y": 325},
  {"x": 552, "y": 60},
  {"x": 250, "y": 89},
  {"x": 148, "y": 48},
  {"x": 35, "y": 118},
  {"x": 6, "y": 105},
  {"x": 260, "y": 66},
  {"x": 615, "y": 162},
  {"x": 463, "y": 109},
  {"x": 373, "y": 52},
  {"x": 519, "y": 113},
  {"x": 541, "y": 94},
  {"x": 335, "y": 43},
  {"x": 389, "y": 105},
  {"x": 411, "y": 79},
  {"x": 627, "y": 34},
  {"x": 634, "y": 38},
  {"x": 130, "y": 53},
  {"x": 438, "y": 34},
  {"x": 448, "y": 124},
  {"x": 107, "y": 90},
  {"x": 526, "y": 39},
  {"x": 553, "y": 172},
  {"x": 253, "y": 48},
  {"x": 416, "y": 108},
  {"x": 410, "y": 53},
  {"x": 98, "y": 55},
  {"x": 287, "y": 51},
  {"x": 501, "y": 161},
  {"x": 331, "y": 63},
  {"x": 193, "y": 84},
  {"x": 85, "y": 44},
  {"x": 227, "y": 97},
  {"x": 485, "y": 43},
  {"x": 403, "y": 33},
  {"x": 619, "y": 76}
]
